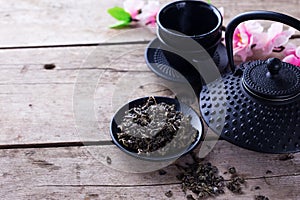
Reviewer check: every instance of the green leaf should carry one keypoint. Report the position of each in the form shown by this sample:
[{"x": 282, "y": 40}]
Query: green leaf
[
  {"x": 119, "y": 24},
  {"x": 209, "y": 1},
  {"x": 119, "y": 14}
]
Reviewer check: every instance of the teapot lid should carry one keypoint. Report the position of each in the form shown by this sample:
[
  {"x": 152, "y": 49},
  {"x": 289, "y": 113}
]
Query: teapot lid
[{"x": 272, "y": 80}]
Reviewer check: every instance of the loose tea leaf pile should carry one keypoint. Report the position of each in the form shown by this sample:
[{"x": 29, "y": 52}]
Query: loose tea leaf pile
[
  {"x": 156, "y": 127},
  {"x": 204, "y": 181},
  {"x": 201, "y": 179}
]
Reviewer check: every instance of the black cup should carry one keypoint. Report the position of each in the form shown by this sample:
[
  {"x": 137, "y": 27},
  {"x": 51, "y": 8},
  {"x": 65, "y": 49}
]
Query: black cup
[{"x": 180, "y": 21}]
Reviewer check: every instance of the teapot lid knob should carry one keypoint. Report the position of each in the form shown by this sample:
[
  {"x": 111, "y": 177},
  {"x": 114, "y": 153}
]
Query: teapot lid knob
[
  {"x": 272, "y": 79},
  {"x": 273, "y": 65}
]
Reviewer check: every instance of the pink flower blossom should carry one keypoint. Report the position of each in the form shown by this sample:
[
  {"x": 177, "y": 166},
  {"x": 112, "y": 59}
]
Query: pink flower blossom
[
  {"x": 149, "y": 12},
  {"x": 246, "y": 35},
  {"x": 133, "y": 7},
  {"x": 292, "y": 55},
  {"x": 276, "y": 37}
]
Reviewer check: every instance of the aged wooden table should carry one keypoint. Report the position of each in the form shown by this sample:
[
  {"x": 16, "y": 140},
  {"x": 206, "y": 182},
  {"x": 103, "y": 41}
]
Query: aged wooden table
[{"x": 54, "y": 139}]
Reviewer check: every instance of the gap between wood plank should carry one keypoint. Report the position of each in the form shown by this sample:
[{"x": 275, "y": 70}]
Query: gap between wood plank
[
  {"x": 69, "y": 144},
  {"x": 58, "y": 144},
  {"x": 104, "y": 69},
  {"x": 166, "y": 184},
  {"x": 75, "y": 45},
  {"x": 272, "y": 176},
  {"x": 90, "y": 44},
  {"x": 125, "y": 186},
  {"x": 50, "y": 83}
]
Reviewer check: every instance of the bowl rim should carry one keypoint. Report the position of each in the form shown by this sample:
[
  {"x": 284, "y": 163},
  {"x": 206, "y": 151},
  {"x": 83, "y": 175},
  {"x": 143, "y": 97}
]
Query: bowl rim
[
  {"x": 162, "y": 158},
  {"x": 216, "y": 10}
]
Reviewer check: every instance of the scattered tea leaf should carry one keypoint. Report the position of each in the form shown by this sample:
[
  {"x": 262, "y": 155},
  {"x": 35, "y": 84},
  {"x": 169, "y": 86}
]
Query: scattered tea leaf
[
  {"x": 269, "y": 172},
  {"x": 190, "y": 197},
  {"x": 257, "y": 188},
  {"x": 180, "y": 176},
  {"x": 232, "y": 170},
  {"x": 169, "y": 194},
  {"x": 261, "y": 197},
  {"x": 162, "y": 172},
  {"x": 235, "y": 184},
  {"x": 108, "y": 160}
]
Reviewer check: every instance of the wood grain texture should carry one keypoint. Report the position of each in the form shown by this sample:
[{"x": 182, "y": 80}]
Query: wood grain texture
[
  {"x": 38, "y": 108},
  {"x": 64, "y": 22},
  {"x": 285, "y": 185},
  {"x": 43, "y": 112},
  {"x": 35, "y": 23},
  {"x": 38, "y": 105},
  {"x": 77, "y": 172}
]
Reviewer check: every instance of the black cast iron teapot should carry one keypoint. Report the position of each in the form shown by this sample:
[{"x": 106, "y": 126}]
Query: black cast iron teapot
[{"x": 257, "y": 104}]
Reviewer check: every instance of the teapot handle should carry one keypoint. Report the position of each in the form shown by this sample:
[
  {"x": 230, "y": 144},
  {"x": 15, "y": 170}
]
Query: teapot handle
[{"x": 254, "y": 15}]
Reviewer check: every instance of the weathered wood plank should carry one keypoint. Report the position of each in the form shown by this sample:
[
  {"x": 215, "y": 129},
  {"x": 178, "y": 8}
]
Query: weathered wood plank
[
  {"x": 40, "y": 107},
  {"x": 37, "y": 104},
  {"x": 286, "y": 188},
  {"x": 36, "y": 107},
  {"x": 30, "y": 23},
  {"x": 64, "y": 172},
  {"x": 88, "y": 166},
  {"x": 44, "y": 112},
  {"x": 63, "y": 22},
  {"x": 130, "y": 57}
]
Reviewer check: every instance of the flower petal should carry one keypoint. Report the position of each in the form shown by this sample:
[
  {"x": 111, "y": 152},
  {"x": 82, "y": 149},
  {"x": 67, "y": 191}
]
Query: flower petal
[
  {"x": 279, "y": 40},
  {"x": 133, "y": 6},
  {"x": 243, "y": 52},
  {"x": 245, "y": 36},
  {"x": 292, "y": 59},
  {"x": 253, "y": 27},
  {"x": 275, "y": 28},
  {"x": 290, "y": 49},
  {"x": 297, "y": 52},
  {"x": 260, "y": 39},
  {"x": 149, "y": 12},
  {"x": 277, "y": 37}
]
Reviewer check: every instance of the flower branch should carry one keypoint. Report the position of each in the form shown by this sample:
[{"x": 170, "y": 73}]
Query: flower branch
[
  {"x": 135, "y": 11},
  {"x": 249, "y": 40}
]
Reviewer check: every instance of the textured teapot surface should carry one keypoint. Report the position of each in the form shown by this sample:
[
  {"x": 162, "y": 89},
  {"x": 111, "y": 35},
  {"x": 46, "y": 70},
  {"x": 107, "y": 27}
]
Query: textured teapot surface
[
  {"x": 248, "y": 120},
  {"x": 257, "y": 104}
]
